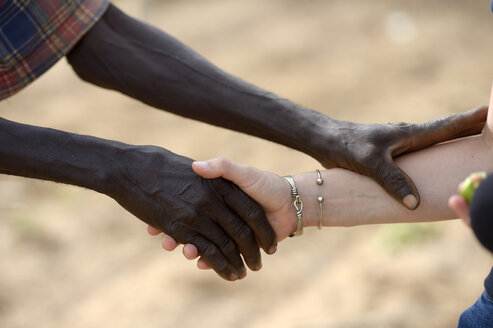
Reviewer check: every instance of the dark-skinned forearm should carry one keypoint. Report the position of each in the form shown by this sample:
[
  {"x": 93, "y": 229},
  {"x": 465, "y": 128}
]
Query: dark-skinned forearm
[
  {"x": 54, "y": 155},
  {"x": 124, "y": 54},
  {"x": 157, "y": 186}
]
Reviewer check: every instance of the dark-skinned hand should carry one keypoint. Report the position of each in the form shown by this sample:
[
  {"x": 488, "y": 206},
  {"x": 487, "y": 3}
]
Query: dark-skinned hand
[
  {"x": 161, "y": 189},
  {"x": 370, "y": 149}
]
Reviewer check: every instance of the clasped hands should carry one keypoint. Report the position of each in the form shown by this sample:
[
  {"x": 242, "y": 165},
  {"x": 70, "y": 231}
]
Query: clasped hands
[{"x": 246, "y": 207}]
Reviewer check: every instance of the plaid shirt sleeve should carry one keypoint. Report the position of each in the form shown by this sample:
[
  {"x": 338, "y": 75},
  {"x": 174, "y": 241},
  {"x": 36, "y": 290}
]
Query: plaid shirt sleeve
[{"x": 35, "y": 34}]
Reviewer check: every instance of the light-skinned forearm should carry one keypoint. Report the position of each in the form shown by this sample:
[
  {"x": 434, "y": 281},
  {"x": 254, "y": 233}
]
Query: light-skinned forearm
[{"x": 351, "y": 199}]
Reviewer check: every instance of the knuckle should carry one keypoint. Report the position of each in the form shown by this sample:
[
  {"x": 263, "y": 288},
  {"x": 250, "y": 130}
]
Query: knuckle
[
  {"x": 220, "y": 186},
  {"x": 393, "y": 180},
  {"x": 396, "y": 129},
  {"x": 254, "y": 213},
  {"x": 203, "y": 203},
  {"x": 401, "y": 124},
  {"x": 210, "y": 251},
  {"x": 213, "y": 257},
  {"x": 227, "y": 246},
  {"x": 371, "y": 158},
  {"x": 244, "y": 234},
  {"x": 222, "y": 163},
  {"x": 179, "y": 228}
]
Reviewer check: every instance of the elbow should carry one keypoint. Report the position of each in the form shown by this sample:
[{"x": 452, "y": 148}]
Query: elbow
[
  {"x": 84, "y": 63},
  {"x": 76, "y": 61},
  {"x": 91, "y": 57}
]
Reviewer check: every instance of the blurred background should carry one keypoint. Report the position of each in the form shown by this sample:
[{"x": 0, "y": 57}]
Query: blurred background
[{"x": 74, "y": 258}]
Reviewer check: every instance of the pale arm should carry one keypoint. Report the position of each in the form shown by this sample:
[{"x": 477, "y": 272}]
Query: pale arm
[{"x": 352, "y": 199}]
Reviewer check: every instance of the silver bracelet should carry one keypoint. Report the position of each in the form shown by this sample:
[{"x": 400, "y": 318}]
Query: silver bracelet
[
  {"x": 320, "y": 200},
  {"x": 298, "y": 205}
]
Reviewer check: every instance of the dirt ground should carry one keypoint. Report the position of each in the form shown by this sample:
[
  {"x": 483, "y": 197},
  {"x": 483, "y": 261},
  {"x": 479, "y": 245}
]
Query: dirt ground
[{"x": 73, "y": 258}]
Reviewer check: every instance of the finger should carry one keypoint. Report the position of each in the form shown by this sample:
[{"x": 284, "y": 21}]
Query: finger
[
  {"x": 153, "y": 231},
  {"x": 202, "y": 265},
  {"x": 253, "y": 215},
  {"x": 213, "y": 257},
  {"x": 244, "y": 177},
  {"x": 476, "y": 129},
  {"x": 168, "y": 243},
  {"x": 241, "y": 175},
  {"x": 448, "y": 128},
  {"x": 224, "y": 240},
  {"x": 236, "y": 228},
  {"x": 190, "y": 251},
  {"x": 459, "y": 205},
  {"x": 397, "y": 183}
]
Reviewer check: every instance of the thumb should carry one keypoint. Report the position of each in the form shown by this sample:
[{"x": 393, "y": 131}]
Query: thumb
[
  {"x": 209, "y": 169},
  {"x": 246, "y": 178},
  {"x": 398, "y": 184},
  {"x": 241, "y": 175}
]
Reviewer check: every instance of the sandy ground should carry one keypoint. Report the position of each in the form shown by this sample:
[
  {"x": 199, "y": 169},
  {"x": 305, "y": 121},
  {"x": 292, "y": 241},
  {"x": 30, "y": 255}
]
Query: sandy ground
[{"x": 73, "y": 258}]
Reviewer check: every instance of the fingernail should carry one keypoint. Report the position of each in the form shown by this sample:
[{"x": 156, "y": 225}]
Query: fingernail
[
  {"x": 258, "y": 267},
  {"x": 202, "y": 165},
  {"x": 410, "y": 201},
  {"x": 272, "y": 250},
  {"x": 233, "y": 277}
]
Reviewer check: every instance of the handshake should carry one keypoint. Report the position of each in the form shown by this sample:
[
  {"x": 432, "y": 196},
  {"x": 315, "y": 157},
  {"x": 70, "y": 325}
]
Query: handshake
[{"x": 224, "y": 212}]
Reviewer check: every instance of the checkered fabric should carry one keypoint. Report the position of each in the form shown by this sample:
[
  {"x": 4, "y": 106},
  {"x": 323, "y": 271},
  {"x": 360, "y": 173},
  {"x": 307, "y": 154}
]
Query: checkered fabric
[{"x": 35, "y": 34}]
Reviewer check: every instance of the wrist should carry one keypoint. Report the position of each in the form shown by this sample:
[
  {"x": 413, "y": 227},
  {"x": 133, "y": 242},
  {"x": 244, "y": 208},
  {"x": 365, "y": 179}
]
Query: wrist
[
  {"x": 314, "y": 135},
  {"x": 340, "y": 203},
  {"x": 309, "y": 192},
  {"x": 112, "y": 173},
  {"x": 87, "y": 162},
  {"x": 54, "y": 155}
]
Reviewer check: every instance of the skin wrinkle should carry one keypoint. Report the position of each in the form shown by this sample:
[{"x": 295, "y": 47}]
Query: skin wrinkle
[
  {"x": 183, "y": 190},
  {"x": 152, "y": 190}
]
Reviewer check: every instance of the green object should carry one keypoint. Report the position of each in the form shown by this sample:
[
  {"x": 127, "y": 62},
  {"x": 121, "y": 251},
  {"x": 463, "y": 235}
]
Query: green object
[
  {"x": 470, "y": 185},
  {"x": 401, "y": 236}
]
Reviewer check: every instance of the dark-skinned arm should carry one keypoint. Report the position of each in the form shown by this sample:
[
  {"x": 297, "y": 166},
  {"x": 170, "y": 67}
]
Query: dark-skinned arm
[
  {"x": 143, "y": 62},
  {"x": 156, "y": 185}
]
